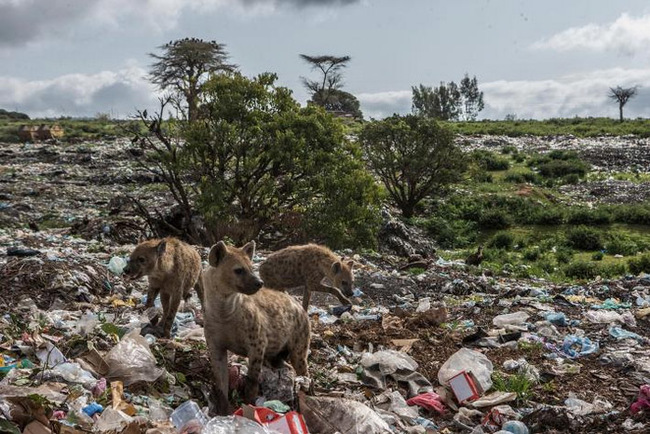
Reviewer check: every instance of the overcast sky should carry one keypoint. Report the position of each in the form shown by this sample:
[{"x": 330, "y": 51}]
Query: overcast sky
[{"x": 534, "y": 59}]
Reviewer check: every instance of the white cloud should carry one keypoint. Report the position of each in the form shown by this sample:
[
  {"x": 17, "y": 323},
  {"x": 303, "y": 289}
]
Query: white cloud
[
  {"x": 567, "y": 96},
  {"x": 627, "y": 35},
  {"x": 572, "y": 95},
  {"x": 382, "y": 104},
  {"x": 117, "y": 92}
]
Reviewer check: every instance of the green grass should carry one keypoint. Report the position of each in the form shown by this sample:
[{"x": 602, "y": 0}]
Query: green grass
[{"x": 581, "y": 127}]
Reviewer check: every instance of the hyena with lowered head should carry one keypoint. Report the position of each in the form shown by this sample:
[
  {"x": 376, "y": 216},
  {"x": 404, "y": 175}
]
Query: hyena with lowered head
[
  {"x": 249, "y": 320},
  {"x": 315, "y": 267},
  {"x": 173, "y": 268}
]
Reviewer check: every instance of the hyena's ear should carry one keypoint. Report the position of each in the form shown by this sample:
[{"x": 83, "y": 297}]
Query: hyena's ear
[
  {"x": 350, "y": 264},
  {"x": 217, "y": 253},
  {"x": 336, "y": 267},
  {"x": 249, "y": 249},
  {"x": 160, "y": 248}
]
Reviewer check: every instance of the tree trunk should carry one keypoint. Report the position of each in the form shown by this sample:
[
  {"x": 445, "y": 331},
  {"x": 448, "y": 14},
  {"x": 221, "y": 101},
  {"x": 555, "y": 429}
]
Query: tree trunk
[{"x": 620, "y": 112}]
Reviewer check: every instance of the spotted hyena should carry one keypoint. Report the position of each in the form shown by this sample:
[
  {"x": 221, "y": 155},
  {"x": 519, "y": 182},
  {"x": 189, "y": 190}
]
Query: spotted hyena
[
  {"x": 315, "y": 267},
  {"x": 173, "y": 268},
  {"x": 247, "y": 319}
]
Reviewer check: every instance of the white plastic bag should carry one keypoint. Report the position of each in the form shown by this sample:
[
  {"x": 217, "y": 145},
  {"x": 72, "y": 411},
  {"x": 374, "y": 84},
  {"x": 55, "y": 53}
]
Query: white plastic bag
[
  {"x": 132, "y": 361},
  {"x": 469, "y": 361}
]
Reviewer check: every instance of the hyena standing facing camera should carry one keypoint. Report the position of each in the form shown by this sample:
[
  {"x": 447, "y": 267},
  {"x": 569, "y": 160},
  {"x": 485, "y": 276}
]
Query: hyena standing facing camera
[
  {"x": 251, "y": 321},
  {"x": 173, "y": 268}
]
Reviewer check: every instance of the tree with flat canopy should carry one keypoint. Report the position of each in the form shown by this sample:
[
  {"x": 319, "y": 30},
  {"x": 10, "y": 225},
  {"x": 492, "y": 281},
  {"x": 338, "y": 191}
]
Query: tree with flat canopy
[
  {"x": 327, "y": 91},
  {"x": 185, "y": 65},
  {"x": 622, "y": 95}
]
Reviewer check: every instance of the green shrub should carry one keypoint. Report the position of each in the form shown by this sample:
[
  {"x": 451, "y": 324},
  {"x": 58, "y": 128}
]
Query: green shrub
[
  {"x": 560, "y": 168},
  {"x": 531, "y": 254},
  {"x": 509, "y": 149},
  {"x": 495, "y": 219},
  {"x": 449, "y": 235},
  {"x": 521, "y": 176},
  {"x": 587, "y": 216},
  {"x": 563, "y": 255},
  {"x": 483, "y": 176},
  {"x": 545, "y": 264},
  {"x": 490, "y": 161},
  {"x": 612, "y": 270},
  {"x": 598, "y": 256},
  {"x": 572, "y": 178},
  {"x": 547, "y": 216},
  {"x": 584, "y": 238},
  {"x": 502, "y": 240},
  {"x": 640, "y": 264},
  {"x": 519, "y": 158},
  {"x": 621, "y": 245},
  {"x": 581, "y": 270}
]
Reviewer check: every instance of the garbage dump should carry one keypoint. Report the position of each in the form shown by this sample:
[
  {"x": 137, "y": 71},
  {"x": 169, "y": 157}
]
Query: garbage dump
[{"x": 447, "y": 350}]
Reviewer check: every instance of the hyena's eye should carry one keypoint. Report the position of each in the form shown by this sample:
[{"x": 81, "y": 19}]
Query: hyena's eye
[
  {"x": 239, "y": 271},
  {"x": 344, "y": 282},
  {"x": 141, "y": 259}
]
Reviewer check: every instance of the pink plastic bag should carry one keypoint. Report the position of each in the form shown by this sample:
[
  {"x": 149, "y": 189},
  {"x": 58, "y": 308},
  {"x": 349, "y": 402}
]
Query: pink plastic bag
[
  {"x": 643, "y": 401},
  {"x": 428, "y": 401}
]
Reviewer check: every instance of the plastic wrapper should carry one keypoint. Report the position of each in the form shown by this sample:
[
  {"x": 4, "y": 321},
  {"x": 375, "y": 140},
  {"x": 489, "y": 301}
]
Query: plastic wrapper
[{"x": 132, "y": 361}]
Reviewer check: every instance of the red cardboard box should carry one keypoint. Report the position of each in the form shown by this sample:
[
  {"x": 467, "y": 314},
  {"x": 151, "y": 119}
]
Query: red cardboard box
[{"x": 464, "y": 387}]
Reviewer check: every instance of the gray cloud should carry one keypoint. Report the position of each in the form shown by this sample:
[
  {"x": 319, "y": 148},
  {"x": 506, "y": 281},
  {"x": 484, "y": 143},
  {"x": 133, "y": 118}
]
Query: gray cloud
[{"x": 27, "y": 20}]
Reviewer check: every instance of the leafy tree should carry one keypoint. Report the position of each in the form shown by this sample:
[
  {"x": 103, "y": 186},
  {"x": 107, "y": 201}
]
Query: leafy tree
[
  {"x": 413, "y": 156},
  {"x": 472, "y": 98},
  {"x": 339, "y": 101},
  {"x": 326, "y": 91},
  {"x": 257, "y": 154},
  {"x": 442, "y": 102},
  {"x": 622, "y": 95},
  {"x": 185, "y": 64}
]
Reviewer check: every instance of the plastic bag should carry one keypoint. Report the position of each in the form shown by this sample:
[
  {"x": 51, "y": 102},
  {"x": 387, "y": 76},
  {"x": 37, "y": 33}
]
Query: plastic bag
[
  {"x": 401, "y": 367},
  {"x": 116, "y": 265},
  {"x": 429, "y": 401},
  {"x": 132, "y": 361},
  {"x": 578, "y": 346},
  {"x": 510, "y": 319},
  {"x": 233, "y": 425},
  {"x": 469, "y": 361},
  {"x": 619, "y": 333},
  {"x": 324, "y": 414},
  {"x": 188, "y": 417}
]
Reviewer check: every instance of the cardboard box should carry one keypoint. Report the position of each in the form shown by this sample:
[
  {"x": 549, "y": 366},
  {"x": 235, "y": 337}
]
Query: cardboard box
[{"x": 464, "y": 387}]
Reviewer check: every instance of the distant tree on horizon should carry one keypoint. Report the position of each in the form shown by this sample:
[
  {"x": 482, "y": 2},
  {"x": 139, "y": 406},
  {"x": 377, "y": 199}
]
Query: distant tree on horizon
[
  {"x": 622, "y": 95},
  {"x": 327, "y": 91},
  {"x": 449, "y": 102},
  {"x": 185, "y": 65}
]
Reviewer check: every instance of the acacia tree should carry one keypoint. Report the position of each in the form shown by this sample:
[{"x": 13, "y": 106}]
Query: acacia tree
[
  {"x": 622, "y": 95},
  {"x": 327, "y": 90},
  {"x": 413, "y": 156},
  {"x": 185, "y": 64},
  {"x": 442, "y": 102},
  {"x": 472, "y": 98}
]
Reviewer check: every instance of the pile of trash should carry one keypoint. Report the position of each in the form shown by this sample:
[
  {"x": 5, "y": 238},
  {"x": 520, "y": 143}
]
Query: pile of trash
[
  {"x": 441, "y": 351},
  {"x": 604, "y": 153},
  {"x": 429, "y": 345}
]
